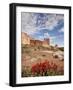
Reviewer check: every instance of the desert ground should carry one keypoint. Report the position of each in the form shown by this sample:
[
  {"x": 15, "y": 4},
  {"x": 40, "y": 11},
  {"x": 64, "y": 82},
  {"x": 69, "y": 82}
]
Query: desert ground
[{"x": 32, "y": 55}]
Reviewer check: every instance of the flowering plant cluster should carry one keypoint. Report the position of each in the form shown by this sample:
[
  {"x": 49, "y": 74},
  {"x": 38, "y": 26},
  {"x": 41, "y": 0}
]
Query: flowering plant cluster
[{"x": 43, "y": 68}]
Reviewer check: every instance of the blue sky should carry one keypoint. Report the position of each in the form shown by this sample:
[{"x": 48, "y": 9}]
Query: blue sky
[{"x": 44, "y": 25}]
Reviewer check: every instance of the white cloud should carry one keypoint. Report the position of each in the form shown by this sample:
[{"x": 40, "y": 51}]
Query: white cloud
[
  {"x": 46, "y": 35},
  {"x": 52, "y": 40},
  {"x": 29, "y": 22},
  {"x": 59, "y": 17},
  {"x": 40, "y": 38},
  {"x": 61, "y": 30},
  {"x": 53, "y": 21},
  {"x": 29, "y": 29},
  {"x": 53, "y": 24}
]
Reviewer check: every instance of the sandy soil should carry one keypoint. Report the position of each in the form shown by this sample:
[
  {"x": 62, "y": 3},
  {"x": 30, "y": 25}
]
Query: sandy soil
[{"x": 28, "y": 59}]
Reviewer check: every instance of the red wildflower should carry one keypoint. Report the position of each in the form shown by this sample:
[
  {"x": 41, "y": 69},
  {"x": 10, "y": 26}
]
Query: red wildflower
[{"x": 43, "y": 67}]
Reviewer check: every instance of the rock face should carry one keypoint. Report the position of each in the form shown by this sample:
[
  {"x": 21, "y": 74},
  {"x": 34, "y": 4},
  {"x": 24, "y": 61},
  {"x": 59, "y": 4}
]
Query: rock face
[
  {"x": 46, "y": 42},
  {"x": 26, "y": 39},
  {"x": 59, "y": 54},
  {"x": 36, "y": 42}
]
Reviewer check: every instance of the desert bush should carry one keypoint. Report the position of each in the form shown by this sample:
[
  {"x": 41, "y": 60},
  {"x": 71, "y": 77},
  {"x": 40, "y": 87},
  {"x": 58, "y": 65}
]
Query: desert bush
[
  {"x": 61, "y": 48},
  {"x": 26, "y": 72},
  {"x": 52, "y": 47},
  {"x": 39, "y": 47},
  {"x": 35, "y": 49},
  {"x": 44, "y": 69},
  {"x": 24, "y": 48},
  {"x": 56, "y": 56},
  {"x": 43, "y": 55}
]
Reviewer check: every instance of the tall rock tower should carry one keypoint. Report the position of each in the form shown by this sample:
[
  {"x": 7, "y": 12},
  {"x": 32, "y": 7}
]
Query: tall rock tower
[
  {"x": 46, "y": 42},
  {"x": 25, "y": 39}
]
